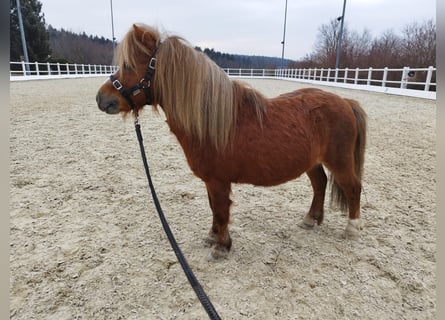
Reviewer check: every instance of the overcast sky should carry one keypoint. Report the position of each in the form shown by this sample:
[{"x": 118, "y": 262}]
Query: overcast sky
[{"x": 253, "y": 27}]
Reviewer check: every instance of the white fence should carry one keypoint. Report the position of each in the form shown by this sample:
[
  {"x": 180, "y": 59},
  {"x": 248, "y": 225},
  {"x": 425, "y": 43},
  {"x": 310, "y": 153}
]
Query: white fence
[
  {"x": 415, "y": 82},
  {"x": 19, "y": 71}
]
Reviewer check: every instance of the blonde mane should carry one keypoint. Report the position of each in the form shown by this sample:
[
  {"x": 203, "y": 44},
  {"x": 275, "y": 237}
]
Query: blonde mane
[{"x": 195, "y": 94}]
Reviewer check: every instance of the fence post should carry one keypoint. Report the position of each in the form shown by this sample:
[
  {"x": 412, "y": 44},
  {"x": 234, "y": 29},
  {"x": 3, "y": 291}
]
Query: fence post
[
  {"x": 58, "y": 68},
  {"x": 428, "y": 78},
  {"x": 356, "y": 75},
  {"x": 49, "y": 68},
  {"x": 37, "y": 68},
  {"x": 403, "y": 82},
  {"x": 321, "y": 74},
  {"x": 328, "y": 76},
  {"x": 368, "y": 82},
  {"x": 385, "y": 76},
  {"x": 24, "y": 68},
  {"x": 336, "y": 75},
  {"x": 345, "y": 79}
]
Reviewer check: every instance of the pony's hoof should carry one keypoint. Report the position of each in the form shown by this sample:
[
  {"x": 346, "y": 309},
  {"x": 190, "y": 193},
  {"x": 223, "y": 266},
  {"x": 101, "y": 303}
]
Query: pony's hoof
[
  {"x": 217, "y": 253},
  {"x": 308, "y": 222},
  {"x": 353, "y": 228},
  {"x": 209, "y": 241}
]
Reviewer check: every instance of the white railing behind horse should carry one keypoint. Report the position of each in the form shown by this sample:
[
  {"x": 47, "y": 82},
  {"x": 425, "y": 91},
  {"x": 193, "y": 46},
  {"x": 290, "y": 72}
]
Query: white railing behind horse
[
  {"x": 415, "y": 82},
  {"x": 39, "y": 70}
]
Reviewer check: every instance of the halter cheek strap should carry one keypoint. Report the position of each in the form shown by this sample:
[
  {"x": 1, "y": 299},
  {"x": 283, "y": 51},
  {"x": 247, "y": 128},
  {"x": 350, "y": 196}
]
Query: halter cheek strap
[
  {"x": 144, "y": 84},
  {"x": 125, "y": 93}
]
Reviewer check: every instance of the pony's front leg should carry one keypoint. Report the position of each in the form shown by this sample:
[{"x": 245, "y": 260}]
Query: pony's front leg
[{"x": 219, "y": 237}]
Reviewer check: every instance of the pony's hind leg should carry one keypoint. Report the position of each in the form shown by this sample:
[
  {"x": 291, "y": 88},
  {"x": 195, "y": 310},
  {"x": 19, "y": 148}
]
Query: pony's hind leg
[
  {"x": 219, "y": 200},
  {"x": 348, "y": 188},
  {"x": 318, "y": 180}
]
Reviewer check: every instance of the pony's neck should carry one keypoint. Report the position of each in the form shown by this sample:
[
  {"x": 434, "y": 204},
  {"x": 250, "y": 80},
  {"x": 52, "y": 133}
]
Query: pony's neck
[{"x": 196, "y": 95}]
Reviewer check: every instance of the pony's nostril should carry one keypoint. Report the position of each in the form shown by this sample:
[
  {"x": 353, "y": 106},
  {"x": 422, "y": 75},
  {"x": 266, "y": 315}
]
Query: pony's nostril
[{"x": 109, "y": 105}]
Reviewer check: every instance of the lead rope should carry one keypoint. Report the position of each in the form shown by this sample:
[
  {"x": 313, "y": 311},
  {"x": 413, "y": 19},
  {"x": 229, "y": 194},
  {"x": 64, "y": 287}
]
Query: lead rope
[{"x": 205, "y": 301}]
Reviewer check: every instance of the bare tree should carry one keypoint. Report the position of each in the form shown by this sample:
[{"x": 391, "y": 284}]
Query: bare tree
[
  {"x": 356, "y": 49},
  {"x": 419, "y": 44},
  {"x": 326, "y": 43},
  {"x": 416, "y": 47},
  {"x": 386, "y": 51}
]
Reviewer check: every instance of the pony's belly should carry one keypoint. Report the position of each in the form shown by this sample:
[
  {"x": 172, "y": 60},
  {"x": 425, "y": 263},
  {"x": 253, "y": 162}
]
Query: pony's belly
[{"x": 270, "y": 173}]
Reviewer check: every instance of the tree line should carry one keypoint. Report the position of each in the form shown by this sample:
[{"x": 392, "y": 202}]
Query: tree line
[
  {"x": 69, "y": 47},
  {"x": 227, "y": 60},
  {"x": 414, "y": 47}
]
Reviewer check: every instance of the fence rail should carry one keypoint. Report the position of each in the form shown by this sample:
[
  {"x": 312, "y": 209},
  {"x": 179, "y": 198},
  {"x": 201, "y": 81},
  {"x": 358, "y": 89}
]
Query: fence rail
[
  {"x": 416, "y": 82},
  {"x": 37, "y": 70}
]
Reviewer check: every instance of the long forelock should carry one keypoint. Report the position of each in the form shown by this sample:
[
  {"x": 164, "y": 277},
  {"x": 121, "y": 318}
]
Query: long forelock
[{"x": 130, "y": 48}]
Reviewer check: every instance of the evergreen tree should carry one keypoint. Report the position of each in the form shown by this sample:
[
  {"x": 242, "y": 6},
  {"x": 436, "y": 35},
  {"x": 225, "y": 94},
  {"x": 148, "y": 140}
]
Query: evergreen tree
[{"x": 36, "y": 35}]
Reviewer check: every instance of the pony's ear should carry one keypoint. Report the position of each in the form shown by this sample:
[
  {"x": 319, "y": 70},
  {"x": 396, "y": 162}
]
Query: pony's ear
[
  {"x": 139, "y": 33},
  {"x": 144, "y": 36}
]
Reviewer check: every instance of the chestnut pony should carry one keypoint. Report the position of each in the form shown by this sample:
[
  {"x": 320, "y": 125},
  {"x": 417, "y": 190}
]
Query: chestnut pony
[{"x": 231, "y": 133}]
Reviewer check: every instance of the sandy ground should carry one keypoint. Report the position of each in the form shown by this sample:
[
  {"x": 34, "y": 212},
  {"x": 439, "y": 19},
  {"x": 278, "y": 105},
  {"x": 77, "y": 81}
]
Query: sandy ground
[{"x": 86, "y": 242}]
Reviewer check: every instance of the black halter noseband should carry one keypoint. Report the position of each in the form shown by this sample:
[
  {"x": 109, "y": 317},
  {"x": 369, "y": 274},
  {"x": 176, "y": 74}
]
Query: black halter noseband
[{"x": 144, "y": 84}]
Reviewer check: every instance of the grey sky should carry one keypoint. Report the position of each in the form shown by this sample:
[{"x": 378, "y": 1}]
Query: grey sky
[{"x": 237, "y": 26}]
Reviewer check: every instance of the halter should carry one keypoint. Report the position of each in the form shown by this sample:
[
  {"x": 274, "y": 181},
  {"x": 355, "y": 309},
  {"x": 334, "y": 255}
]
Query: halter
[{"x": 144, "y": 84}]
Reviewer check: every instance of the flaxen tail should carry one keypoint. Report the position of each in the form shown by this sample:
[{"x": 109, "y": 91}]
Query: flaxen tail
[{"x": 338, "y": 197}]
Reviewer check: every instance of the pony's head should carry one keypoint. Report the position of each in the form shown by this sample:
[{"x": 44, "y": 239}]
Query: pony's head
[
  {"x": 198, "y": 98},
  {"x": 129, "y": 89}
]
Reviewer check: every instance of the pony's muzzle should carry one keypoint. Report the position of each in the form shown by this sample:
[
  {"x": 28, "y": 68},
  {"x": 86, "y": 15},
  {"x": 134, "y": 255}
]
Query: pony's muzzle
[{"x": 107, "y": 104}]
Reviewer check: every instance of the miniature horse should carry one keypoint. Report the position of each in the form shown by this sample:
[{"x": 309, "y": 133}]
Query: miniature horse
[{"x": 231, "y": 133}]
